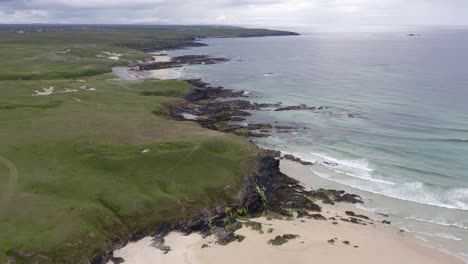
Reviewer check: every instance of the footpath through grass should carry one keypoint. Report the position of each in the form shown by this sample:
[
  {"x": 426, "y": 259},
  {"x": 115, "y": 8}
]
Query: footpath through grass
[{"x": 90, "y": 163}]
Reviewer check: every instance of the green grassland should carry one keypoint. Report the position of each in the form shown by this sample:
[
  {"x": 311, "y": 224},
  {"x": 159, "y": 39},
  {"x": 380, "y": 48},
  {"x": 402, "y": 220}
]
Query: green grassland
[
  {"x": 41, "y": 55},
  {"x": 80, "y": 170}
]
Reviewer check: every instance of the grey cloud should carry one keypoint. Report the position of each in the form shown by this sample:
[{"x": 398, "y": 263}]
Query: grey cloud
[{"x": 253, "y": 12}]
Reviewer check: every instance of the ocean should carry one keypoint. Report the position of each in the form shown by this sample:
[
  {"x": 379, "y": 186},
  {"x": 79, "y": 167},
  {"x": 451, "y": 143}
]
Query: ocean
[{"x": 394, "y": 127}]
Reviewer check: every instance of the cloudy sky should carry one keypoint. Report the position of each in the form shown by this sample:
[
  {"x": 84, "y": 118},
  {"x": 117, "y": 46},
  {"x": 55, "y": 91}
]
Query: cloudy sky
[{"x": 239, "y": 12}]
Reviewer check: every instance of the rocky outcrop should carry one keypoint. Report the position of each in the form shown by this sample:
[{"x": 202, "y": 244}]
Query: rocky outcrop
[
  {"x": 301, "y": 107},
  {"x": 296, "y": 159},
  {"x": 177, "y": 62},
  {"x": 264, "y": 189},
  {"x": 209, "y": 104}
]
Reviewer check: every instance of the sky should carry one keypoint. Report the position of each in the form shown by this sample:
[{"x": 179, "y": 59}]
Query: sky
[{"x": 286, "y": 13}]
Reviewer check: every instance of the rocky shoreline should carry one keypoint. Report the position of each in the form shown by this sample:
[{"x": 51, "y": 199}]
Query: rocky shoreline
[
  {"x": 177, "y": 62},
  {"x": 265, "y": 191},
  {"x": 225, "y": 110}
]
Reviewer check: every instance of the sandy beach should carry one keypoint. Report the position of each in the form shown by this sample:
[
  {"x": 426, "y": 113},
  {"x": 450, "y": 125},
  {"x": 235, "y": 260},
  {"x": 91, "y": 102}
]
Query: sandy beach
[{"x": 325, "y": 241}]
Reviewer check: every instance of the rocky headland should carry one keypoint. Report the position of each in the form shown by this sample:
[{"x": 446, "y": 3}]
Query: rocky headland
[{"x": 265, "y": 192}]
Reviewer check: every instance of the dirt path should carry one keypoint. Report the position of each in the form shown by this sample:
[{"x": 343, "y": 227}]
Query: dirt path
[
  {"x": 9, "y": 188},
  {"x": 183, "y": 159}
]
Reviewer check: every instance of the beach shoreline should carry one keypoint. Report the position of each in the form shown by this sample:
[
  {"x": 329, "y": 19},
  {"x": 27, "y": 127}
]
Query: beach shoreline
[
  {"x": 329, "y": 240},
  {"x": 375, "y": 240}
]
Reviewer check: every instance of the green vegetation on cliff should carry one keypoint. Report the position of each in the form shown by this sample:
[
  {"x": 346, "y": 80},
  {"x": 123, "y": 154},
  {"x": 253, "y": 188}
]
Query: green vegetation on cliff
[{"x": 89, "y": 163}]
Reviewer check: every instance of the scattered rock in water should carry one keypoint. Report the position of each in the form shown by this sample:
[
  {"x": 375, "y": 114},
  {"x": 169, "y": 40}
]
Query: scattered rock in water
[
  {"x": 300, "y": 107},
  {"x": 280, "y": 240},
  {"x": 296, "y": 159},
  {"x": 386, "y": 222},
  {"x": 259, "y": 135},
  {"x": 285, "y": 127},
  {"x": 335, "y": 223},
  {"x": 331, "y": 241},
  {"x": 349, "y": 198},
  {"x": 331, "y": 164},
  {"x": 259, "y": 126},
  {"x": 205, "y": 246},
  {"x": 332, "y": 196},
  {"x": 346, "y": 243}
]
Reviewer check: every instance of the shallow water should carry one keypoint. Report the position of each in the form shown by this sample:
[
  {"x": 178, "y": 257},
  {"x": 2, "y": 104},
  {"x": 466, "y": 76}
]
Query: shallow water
[{"x": 397, "y": 122}]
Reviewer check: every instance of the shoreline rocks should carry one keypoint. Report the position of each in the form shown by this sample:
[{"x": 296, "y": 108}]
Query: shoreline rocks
[
  {"x": 264, "y": 190},
  {"x": 177, "y": 62},
  {"x": 301, "y": 107}
]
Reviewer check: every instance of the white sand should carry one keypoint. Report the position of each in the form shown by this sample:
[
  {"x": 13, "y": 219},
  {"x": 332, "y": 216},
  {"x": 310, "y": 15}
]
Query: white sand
[
  {"x": 376, "y": 242},
  {"x": 85, "y": 87},
  {"x": 45, "y": 91},
  {"x": 68, "y": 91},
  {"x": 162, "y": 58},
  {"x": 189, "y": 116},
  {"x": 146, "y": 150},
  {"x": 162, "y": 74},
  {"x": 51, "y": 90},
  {"x": 65, "y": 51},
  {"x": 110, "y": 55}
]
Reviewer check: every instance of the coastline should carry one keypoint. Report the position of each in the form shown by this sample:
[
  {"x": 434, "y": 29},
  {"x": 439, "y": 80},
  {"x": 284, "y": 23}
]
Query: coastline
[
  {"x": 376, "y": 241},
  {"x": 326, "y": 241}
]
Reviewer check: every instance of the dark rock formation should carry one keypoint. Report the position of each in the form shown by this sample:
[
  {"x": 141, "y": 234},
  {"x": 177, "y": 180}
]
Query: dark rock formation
[
  {"x": 301, "y": 107},
  {"x": 272, "y": 153},
  {"x": 332, "y": 196},
  {"x": 177, "y": 62},
  {"x": 296, "y": 159},
  {"x": 350, "y": 213},
  {"x": 226, "y": 238},
  {"x": 117, "y": 260},
  {"x": 331, "y": 164},
  {"x": 280, "y": 240},
  {"x": 264, "y": 189}
]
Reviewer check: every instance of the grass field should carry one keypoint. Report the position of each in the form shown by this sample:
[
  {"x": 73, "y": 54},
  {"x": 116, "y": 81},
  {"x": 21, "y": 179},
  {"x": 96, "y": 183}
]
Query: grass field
[
  {"x": 68, "y": 54},
  {"x": 90, "y": 163}
]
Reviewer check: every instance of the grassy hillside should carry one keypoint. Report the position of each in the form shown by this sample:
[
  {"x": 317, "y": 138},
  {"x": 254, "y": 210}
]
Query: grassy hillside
[
  {"x": 90, "y": 163},
  {"x": 67, "y": 54}
]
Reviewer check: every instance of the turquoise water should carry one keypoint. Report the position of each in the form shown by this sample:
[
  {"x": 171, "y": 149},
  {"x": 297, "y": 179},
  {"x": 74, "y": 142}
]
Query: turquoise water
[{"x": 397, "y": 122}]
